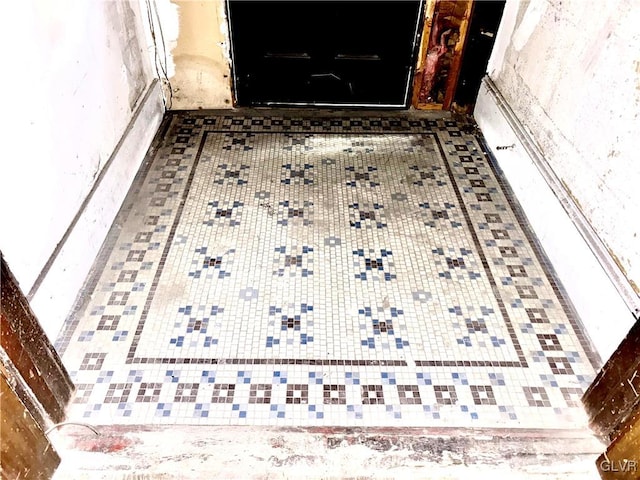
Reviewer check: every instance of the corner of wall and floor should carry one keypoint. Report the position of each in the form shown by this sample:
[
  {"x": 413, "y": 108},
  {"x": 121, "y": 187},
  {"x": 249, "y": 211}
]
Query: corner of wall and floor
[
  {"x": 84, "y": 110},
  {"x": 567, "y": 149},
  {"x": 64, "y": 277}
]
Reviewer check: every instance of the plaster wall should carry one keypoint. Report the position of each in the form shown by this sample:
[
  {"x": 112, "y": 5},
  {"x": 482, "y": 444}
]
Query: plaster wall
[
  {"x": 561, "y": 100},
  {"x": 571, "y": 74},
  {"x": 196, "y": 40},
  {"x": 74, "y": 74}
]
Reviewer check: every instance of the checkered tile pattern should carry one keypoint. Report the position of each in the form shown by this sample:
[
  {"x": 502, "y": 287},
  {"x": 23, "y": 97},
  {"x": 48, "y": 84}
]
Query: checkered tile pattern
[{"x": 324, "y": 271}]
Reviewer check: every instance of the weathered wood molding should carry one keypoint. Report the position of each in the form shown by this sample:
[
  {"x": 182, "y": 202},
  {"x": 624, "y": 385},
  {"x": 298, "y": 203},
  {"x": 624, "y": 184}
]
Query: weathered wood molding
[
  {"x": 614, "y": 395},
  {"x": 29, "y": 357},
  {"x": 35, "y": 388},
  {"x": 25, "y": 451},
  {"x": 425, "y": 64},
  {"x": 621, "y": 461}
]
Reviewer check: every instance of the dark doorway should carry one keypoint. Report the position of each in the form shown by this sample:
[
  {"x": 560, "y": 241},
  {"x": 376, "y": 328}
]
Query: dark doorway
[
  {"x": 350, "y": 53},
  {"x": 485, "y": 19}
]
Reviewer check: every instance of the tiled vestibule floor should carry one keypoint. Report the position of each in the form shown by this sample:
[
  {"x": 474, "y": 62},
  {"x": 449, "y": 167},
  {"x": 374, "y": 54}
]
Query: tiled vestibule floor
[{"x": 312, "y": 271}]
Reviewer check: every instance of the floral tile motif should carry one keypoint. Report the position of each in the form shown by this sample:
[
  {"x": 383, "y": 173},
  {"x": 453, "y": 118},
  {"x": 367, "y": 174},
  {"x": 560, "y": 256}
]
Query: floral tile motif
[{"x": 281, "y": 270}]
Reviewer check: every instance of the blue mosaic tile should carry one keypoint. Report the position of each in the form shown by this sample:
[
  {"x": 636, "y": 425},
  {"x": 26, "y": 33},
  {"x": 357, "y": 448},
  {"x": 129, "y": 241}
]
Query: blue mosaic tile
[{"x": 327, "y": 272}]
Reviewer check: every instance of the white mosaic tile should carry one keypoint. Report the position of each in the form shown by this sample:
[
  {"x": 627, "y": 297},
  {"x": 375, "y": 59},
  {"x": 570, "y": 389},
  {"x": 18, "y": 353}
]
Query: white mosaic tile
[{"x": 285, "y": 271}]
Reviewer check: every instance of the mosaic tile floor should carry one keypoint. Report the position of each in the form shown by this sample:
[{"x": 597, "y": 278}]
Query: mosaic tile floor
[{"x": 323, "y": 271}]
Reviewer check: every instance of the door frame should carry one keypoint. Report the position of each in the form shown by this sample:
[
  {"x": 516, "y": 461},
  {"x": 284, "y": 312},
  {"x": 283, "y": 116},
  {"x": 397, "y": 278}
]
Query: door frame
[{"x": 458, "y": 50}]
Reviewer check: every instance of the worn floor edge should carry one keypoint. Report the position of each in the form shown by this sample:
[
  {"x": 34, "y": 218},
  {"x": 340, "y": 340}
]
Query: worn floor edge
[{"x": 146, "y": 452}]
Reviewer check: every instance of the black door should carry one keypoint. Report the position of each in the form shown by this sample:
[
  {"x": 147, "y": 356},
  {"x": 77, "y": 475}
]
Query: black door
[{"x": 323, "y": 52}]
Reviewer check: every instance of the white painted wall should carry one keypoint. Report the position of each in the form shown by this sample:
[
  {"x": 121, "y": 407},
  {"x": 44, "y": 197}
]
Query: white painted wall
[
  {"x": 570, "y": 72},
  {"x": 73, "y": 74}
]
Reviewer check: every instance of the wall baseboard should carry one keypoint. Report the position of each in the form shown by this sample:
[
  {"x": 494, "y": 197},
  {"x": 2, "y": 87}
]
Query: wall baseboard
[
  {"x": 590, "y": 279},
  {"x": 62, "y": 278}
]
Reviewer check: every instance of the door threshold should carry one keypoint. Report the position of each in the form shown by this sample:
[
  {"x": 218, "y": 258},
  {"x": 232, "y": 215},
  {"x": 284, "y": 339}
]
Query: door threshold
[{"x": 190, "y": 452}]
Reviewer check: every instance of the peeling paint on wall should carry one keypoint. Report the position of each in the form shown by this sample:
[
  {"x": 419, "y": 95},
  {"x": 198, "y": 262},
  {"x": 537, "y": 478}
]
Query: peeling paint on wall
[{"x": 198, "y": 53}]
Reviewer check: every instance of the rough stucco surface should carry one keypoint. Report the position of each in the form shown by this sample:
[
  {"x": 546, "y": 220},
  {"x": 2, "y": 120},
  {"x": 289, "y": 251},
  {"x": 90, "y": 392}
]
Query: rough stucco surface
[
  {"x": 78, "y": 71},
  {"x": 200, "y": 56},
  {"x": 572, "y": 76}
]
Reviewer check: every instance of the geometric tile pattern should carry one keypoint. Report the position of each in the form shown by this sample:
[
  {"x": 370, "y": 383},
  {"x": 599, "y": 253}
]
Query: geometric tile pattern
[{"x": 324, "y": 271}]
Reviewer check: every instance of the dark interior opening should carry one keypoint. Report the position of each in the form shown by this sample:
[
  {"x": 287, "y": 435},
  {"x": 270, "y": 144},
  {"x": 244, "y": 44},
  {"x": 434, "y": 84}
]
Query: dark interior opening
[
  {"x": 481, "y": 35},
  {"x": 356, "y": 53}
]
